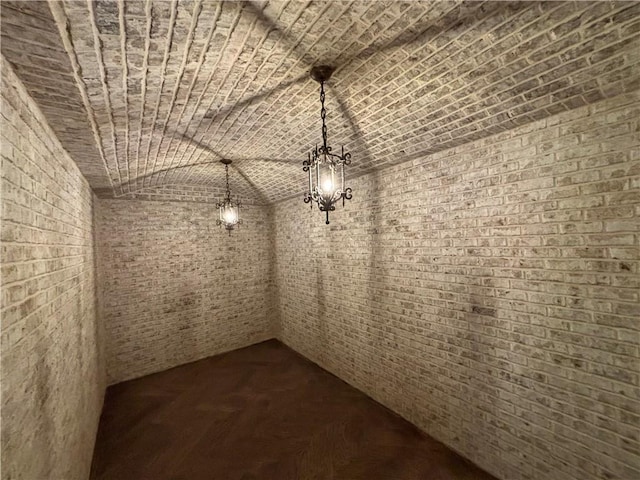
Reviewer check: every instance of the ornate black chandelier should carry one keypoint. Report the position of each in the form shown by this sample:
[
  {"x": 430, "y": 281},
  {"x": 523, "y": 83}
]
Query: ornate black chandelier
[
  {"x": 326, "y": 169},
  {"x": 229, "y": 210}
]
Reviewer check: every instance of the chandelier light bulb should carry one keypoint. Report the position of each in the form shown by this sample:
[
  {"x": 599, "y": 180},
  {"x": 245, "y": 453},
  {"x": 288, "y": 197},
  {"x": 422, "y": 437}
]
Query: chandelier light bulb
[
  {"x": 230, "y": 215},
  {"x": 327, "y": 186}
]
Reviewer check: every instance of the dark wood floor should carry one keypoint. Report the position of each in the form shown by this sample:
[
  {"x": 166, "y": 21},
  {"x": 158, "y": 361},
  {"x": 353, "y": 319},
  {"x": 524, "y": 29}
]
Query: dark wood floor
[{"x": 262, "y": 413}]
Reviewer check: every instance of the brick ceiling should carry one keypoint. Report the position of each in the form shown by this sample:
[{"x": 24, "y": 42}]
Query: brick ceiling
[{"x": 150, "y": 94}]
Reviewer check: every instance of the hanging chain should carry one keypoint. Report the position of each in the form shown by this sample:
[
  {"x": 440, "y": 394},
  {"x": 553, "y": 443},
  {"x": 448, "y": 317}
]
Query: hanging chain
[
  {"x": 226, "y": 169},
  {"x": 323, "y": 115}
]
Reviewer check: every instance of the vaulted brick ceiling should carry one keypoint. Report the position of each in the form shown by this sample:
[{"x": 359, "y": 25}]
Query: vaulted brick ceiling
[{"x": 151, "y": 94}]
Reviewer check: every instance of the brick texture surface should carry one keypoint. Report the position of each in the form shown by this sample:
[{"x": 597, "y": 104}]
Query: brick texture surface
[
  {"x": 149, "y": 90},
  {"x": 52, "y": 369},
  {"x": 199, "y": 193},
  {"x": 176, "y": 287},
  {"x": 488, "y": 293}
]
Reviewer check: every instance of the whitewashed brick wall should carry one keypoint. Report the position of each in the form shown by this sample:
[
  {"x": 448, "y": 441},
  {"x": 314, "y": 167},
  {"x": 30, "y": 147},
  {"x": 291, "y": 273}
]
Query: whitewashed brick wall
[
  {"x": 488, "y": 293},
  {"x": 52, "y": 369},
  {"x": 177, "y": 288}
]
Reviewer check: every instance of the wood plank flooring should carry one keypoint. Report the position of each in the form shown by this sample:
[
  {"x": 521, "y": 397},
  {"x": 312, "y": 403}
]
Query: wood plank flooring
[{"x": 260, "y": 413}]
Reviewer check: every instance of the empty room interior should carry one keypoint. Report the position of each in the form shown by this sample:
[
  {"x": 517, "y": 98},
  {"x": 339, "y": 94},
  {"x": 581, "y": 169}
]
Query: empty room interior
[{"x": 295, "y": 240}]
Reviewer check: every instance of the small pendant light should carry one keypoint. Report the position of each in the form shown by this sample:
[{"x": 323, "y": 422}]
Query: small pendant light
[{"x": 229, "y": 209}]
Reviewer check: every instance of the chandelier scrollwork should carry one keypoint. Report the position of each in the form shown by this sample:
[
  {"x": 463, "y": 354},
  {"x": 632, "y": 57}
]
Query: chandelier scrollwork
[{"x": 325, "y": 168}]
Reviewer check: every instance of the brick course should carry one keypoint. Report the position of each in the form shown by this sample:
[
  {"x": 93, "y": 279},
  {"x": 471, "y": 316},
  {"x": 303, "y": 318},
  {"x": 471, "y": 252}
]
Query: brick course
[
  {"x": 52, "y": 363},
  {"x": 488, "y": 293},
  {"x": 177, "y": 287}
]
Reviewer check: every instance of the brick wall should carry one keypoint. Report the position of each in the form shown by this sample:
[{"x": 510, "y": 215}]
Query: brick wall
[
  {"x": 52, "y": 369},
  {"x": 488, "y": 293},
  {"x": 180, "y": 193},
  {"x": 177, "y": 287}
]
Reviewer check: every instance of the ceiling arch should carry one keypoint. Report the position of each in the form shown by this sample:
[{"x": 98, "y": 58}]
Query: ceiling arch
[{"x": 151, "y": 92}]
